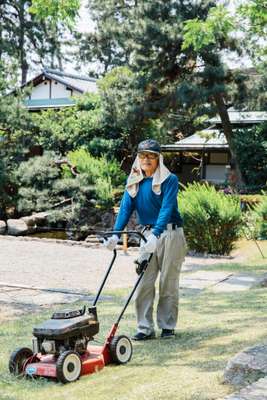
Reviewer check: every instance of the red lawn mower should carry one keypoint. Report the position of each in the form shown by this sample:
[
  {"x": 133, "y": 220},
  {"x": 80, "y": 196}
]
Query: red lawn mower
[{"x": 60, "y": 346}]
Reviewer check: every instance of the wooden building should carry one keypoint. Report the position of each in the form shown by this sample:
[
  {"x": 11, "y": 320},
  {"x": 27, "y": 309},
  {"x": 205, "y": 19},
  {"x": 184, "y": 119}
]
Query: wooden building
[
  {"x": 57, "y": 89},
  {"x": 205, "y": 155}
]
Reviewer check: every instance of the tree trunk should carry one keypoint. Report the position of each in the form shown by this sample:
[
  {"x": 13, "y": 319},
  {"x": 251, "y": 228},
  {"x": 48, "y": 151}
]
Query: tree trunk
[
  {"x": 1, "y": 31},
  {"x": 22, "y": 53},
  {"x": 228, "y": 132}
]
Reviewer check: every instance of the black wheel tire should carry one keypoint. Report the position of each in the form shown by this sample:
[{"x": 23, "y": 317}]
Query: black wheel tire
[
  {"x": 69, "y": 366},
  {"x": 17, "y": 360},
  {"x": 121, "y": 349}
]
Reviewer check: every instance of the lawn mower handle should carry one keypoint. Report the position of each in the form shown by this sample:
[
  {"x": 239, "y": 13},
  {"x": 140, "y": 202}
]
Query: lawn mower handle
[
  {"x": 109, "y": 233},
  {"x": 105, "y": 235}
]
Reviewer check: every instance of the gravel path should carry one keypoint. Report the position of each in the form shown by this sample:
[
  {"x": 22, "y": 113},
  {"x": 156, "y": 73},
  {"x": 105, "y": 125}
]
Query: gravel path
[
  {"x": 28, "y": 265},
  {"x": 44, "y": 263}
]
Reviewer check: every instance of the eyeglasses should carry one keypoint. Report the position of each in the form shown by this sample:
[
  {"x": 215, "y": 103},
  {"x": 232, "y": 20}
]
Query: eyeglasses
[{"x": 150, "y": 156}]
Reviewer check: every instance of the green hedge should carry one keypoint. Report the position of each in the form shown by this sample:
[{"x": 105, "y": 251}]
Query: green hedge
[
  {"x": 260, "y": 218},
  {"x": 212, "y": 220}
]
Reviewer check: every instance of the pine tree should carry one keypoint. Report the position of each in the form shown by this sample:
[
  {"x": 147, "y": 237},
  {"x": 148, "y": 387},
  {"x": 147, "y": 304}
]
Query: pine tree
[
  {"x": 174, "y": 48},
  {"x": 27, "y": 39}
]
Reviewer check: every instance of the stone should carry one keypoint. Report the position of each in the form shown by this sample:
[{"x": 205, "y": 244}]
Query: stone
[
  {"x": 35, "y": 219},
  {"x": 108, "y": 219},
  {"x": 255, "y": 391},
  {"x": 247, "y": 366},
  {"x": 16, "y": 227},
  {"x": 2, "y": 227},
  {"x": 262, "y": 282}
]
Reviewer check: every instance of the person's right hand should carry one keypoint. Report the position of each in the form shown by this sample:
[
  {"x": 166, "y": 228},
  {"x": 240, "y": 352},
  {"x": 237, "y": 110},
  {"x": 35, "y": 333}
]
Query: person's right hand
[{"x": 111, "y": 242}]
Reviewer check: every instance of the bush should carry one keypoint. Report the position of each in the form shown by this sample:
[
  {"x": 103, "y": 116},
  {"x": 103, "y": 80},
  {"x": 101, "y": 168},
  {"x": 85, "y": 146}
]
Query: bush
[
  {"x": 212, "y": 219},
  {"x": 70, "y": 200},
  {"x": 260, "y": 217},
  {"x": 35, "y": 179},
  {"x": 96, "y": 168},
  {"x": 104, "y": 191}
]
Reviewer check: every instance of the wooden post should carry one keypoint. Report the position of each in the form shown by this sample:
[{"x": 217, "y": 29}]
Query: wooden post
[{"x": 125, "y": 242}]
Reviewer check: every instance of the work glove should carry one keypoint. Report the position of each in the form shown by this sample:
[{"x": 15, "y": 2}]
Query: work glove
[
  {"x": 111, "y": 242},
  {"x": 141, "y": 262},
  {"x": 151, "y": 244}
]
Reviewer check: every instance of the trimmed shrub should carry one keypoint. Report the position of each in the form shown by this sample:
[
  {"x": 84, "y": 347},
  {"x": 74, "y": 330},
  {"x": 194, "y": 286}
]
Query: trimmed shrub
[
  {"x": 212, "y": 220},
  {"x": 96, "y": 168},
  {"x": 260, "y": 217},
  {"x": 35, "y": 179}
]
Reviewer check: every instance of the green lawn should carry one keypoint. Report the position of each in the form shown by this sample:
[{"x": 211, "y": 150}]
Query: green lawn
[{"x": 212, "y": 328}]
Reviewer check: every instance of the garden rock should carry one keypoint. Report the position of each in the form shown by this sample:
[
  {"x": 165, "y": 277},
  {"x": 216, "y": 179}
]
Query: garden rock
[
  {"x": 16, "y": 227},
  {"x": 247, "y": 366},
  {"x": 262, "y": 282},
  {"x": 256, "y": 391},
  {"x": 2, "y": 227},
  {"x": 35, "y": 219},
  {"x": 108, "y": 219}
]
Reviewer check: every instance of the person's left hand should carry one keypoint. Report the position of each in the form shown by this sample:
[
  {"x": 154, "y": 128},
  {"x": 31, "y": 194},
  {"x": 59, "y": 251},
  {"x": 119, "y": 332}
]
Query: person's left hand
[{"x": 151, "y": 244}]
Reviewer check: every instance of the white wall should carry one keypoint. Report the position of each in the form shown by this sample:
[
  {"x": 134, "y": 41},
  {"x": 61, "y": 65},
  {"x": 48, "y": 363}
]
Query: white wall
[
  {"x": 59, "y": 90},
  {"x": 41, "y": 91}
]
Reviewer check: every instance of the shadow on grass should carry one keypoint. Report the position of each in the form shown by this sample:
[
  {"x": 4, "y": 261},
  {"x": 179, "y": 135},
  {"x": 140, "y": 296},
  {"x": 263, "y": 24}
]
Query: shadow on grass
[
  {"x": 217, "y": 355},
  {"x": 160, "y": 352},
  {"x": 219, "y": 303}
]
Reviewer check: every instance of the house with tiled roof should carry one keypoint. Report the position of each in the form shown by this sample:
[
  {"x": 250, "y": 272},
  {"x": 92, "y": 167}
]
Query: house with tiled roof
[
  {"x": 56, "y": 89},
  {"x": 205, "y": 155}
]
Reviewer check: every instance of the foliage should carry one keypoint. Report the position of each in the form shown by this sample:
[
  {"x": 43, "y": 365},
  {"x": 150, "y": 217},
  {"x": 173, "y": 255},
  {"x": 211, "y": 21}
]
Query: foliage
[
  {"x": 36, "y": 178},
  {"x": 199, "y": 33},
  {"x": 6, "y": 190},
  {"x": 57, "y": 10},
  {"x": 212, "y": 219},
  {"x": 254, "y": 15},
  {"x": 251, "y": 151},
  {"x": 125, "y": 111},
  {"x": 84, "y": 124},
  {"x": 259, "y": 214},
  {"x": 249, "y": 201},
  {"x": 43, "y": 186},
  {"x": 109, "y": 147},
  {"x": 28, "y": 40},
  {"x": 96, "y": 168},
  {"x": 104, "y": 190},
  {"x": 69, "y": 128},
  {"x": 15, "y": 137},
  {"x": 174, "y": 54}
]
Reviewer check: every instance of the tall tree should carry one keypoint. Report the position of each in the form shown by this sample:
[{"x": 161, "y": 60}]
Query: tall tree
[
  {"x": 29, "y": 39},
  {"x": 174, "y": 49}
]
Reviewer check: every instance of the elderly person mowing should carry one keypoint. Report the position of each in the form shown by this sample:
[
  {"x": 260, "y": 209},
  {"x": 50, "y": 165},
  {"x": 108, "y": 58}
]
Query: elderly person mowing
[{"x": 151, "y": 190}]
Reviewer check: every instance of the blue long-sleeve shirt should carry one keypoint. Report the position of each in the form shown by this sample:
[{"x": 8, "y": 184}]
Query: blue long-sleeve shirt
[{"x": 152, "y": 209}]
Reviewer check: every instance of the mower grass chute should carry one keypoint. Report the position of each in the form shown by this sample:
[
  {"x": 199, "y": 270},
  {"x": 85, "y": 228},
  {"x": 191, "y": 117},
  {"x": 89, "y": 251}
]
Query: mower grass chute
[{"x": 61, "y": 348}]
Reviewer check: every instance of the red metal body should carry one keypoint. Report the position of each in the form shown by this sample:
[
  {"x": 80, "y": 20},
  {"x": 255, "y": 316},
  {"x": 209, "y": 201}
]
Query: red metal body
[{"x": 93, "y": 360}]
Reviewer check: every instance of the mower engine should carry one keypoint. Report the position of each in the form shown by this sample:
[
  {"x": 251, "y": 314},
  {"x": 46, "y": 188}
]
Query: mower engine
[{"x": 66, "y": 330}]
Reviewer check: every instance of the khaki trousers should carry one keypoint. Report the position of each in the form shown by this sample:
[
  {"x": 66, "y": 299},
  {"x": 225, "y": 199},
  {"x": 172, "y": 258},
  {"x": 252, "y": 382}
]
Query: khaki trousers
[{"x": 167, "y": 260}]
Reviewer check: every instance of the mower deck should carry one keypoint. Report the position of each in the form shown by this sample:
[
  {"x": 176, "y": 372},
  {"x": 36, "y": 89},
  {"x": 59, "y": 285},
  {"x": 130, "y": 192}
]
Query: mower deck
[{"x": 93, "y": 360}]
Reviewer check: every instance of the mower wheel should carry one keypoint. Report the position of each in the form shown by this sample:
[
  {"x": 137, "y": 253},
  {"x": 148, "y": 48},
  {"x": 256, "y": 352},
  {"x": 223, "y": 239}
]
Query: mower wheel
[
  {"x": 17, "y": 360},
  {"x": 121, "y": 349},
  {"x": 69, "y": 366}
]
